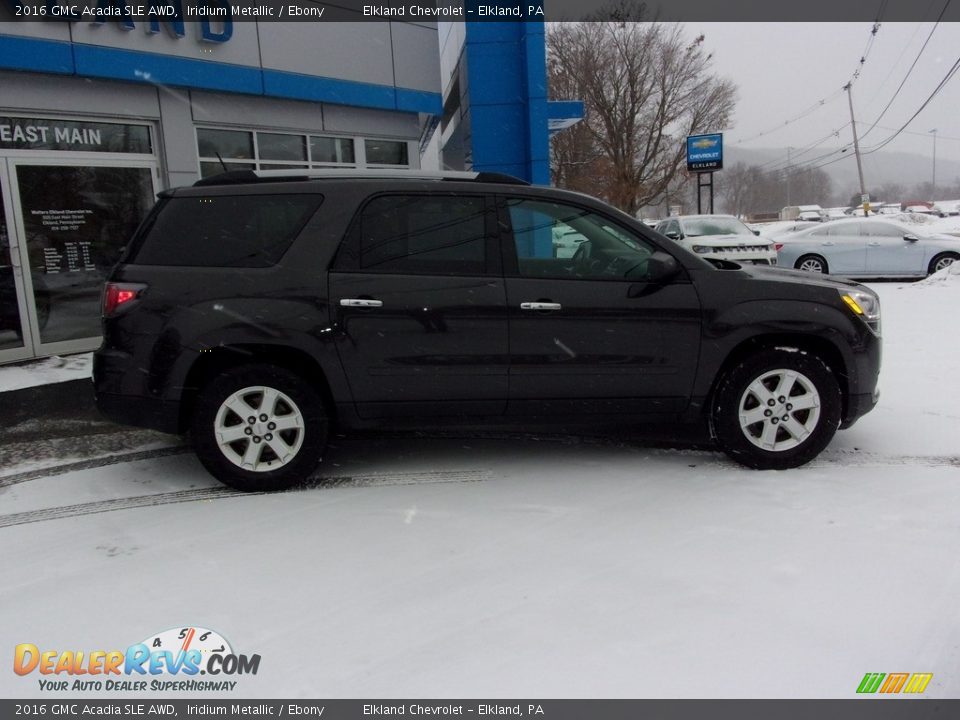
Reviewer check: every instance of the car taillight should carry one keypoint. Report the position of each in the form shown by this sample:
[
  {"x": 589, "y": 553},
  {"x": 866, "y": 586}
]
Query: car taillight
[
  {"x": 778, "y": 246},
  {"x": 118, "y": 295}
]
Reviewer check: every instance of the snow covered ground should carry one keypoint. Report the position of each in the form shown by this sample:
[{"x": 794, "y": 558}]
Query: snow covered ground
[
  {"x": 488, "y": 566},
  {"x": 50, "y": 370}
]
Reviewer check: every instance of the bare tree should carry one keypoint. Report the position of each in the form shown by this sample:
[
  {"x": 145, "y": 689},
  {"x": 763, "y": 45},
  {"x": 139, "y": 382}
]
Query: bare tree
[
  {"x": 645, "y": 87},
  {"x": 741, "y": 189}
]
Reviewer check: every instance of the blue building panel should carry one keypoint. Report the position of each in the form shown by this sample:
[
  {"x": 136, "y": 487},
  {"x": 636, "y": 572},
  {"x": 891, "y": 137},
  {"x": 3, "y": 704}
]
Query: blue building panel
[
  {"x": 49, "y": 56},
  {"x": 506, "y": 65},
  {"x": 155, "y": 69},
  {"x": 319, "y": 89},
  {"x": 85, "y": 60}
]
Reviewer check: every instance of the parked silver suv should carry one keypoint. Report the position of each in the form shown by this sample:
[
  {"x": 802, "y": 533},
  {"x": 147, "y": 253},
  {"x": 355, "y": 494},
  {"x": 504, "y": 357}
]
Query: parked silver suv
[{"x": 720, "y": 237}]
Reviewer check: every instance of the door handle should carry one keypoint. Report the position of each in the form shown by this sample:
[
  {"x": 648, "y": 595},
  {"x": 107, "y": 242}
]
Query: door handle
[
  {"x": 874, "y": 244},
  {"x": 360, "y": 302},
  {"x": 826, "y": 244},
  {"x": 540, "y": 306}
]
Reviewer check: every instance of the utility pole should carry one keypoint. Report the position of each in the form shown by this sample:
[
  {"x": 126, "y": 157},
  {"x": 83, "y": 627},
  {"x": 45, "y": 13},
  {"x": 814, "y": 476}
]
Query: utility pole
[
  {"x": 856, "y": 150},
  {"x": 934, "y": 133},
  {"x": 789, "y": 173}
]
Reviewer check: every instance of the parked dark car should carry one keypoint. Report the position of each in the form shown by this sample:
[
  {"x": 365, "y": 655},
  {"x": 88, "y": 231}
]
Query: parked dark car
[{"x": 257, "y": 312}]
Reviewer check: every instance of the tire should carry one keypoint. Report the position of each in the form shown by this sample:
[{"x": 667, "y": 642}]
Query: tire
[
  {"x": 813, "y": 263},
  {"x": 941, "y": 261},
  {"x": 266, "y": 458},
  {"x": 769, "y": 442}
]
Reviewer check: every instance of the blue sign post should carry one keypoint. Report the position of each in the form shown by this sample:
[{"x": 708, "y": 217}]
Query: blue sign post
[{"x": 704, "y": 155}]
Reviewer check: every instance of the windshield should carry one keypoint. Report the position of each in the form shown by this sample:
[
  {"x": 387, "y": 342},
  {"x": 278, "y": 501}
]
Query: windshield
[{"x": 696, "y": 227}]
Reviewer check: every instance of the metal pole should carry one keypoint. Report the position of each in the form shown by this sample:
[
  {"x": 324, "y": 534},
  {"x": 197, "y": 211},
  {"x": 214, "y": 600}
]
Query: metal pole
[
  {"x": 934, "y": 132},
  {"x": 789, "y": 173},
  {"x": 856, "y": 146},
  {"x": 711, "y": 193}
]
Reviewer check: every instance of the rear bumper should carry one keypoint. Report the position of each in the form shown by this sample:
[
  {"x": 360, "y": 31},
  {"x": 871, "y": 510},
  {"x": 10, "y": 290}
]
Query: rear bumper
[{"x": 122, "y": 395}]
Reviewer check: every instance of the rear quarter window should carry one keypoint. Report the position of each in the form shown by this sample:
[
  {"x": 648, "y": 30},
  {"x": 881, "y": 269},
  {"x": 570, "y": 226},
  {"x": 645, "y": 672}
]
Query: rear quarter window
[{"x": 222, "y": 231}]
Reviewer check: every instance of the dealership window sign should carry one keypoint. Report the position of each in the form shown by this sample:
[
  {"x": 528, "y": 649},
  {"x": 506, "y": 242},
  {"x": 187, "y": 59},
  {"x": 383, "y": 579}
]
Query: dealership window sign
[
  {"x": 18, "y": 133},
  {"x": 705, "y": 152}
]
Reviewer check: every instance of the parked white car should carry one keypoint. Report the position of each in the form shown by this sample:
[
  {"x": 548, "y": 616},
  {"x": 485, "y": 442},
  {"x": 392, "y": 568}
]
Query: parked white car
[
  {"x": 720, "y": 237},
  {"x": 869, "y": 247}
]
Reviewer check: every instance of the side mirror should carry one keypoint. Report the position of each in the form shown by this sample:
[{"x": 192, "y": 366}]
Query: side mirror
[
  {"x": 656, "y": 270},
  {"x": 673, "y": 235},
  {"x": 910, "y": 238}
]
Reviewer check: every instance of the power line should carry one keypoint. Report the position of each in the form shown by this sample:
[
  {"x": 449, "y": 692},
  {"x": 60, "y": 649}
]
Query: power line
[
  {"x": 919, "y": 134},
  {"x": 874, "y": 29},
  {"x": 906, "y": 46},
  {"x": 802, "y": 114},
  {"x": 910, "y": 70},
  {"x": 802, "y": 151},
  {"x": 873, "y": 36},
  {"x": 950, "y": 73}
]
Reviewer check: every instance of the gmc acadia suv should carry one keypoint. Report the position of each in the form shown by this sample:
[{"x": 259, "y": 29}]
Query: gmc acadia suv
[{"x": 257, "y": 311}]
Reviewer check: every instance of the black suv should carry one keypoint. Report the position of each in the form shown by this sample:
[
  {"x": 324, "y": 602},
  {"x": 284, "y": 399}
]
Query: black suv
[{"x": 257, "y": 311}]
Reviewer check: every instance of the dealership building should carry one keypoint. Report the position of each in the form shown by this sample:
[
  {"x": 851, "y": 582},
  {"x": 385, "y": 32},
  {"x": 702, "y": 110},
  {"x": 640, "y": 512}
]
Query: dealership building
[{"x": 97, "y": 117}]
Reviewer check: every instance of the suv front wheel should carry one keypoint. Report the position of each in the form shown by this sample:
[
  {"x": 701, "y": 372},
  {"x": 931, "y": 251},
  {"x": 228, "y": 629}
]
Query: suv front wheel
[
  {"x": 777, "y": 409},
  {"x": 259, "y": 427}
]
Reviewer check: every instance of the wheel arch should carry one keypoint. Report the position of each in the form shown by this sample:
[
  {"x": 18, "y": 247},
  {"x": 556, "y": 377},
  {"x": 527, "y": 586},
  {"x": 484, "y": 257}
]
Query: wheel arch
[
  {"x": 939, "y": 256},
  {"x": 227, "y": 357},
  {"x": 819, "y": 346}
]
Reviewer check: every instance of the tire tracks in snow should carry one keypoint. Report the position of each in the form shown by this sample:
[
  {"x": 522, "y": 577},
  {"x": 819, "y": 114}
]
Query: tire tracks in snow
[{"x": 222, "y": 492}]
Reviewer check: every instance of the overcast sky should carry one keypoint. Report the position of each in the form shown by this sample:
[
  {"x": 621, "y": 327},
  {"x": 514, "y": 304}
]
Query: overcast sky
[{"x": 785, "y": 69}]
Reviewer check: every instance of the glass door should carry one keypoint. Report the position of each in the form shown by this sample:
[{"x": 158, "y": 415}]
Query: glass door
[
  {"x": 15, "y": 339},
  {"x": 73, "y": 219}
]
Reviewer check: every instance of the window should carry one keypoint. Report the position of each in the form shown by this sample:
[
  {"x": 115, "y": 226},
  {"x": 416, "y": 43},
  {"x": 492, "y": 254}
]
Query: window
[
  {"x": 253, "y": 150},
  {"x": 437, "y": 235},
  {"x": 223, "y": 231},
  {"x": 273, "y": 146},
  {"x": 553, "y": 240},
  {"x": 331, "y": 150},
  {"x": 696, "y": 227},
  {"x": 841, "y": 230},
  {"x": 385, "y": 152},
  {"x": 229, "y": 144},
  {"x": 884, "y": 230}
]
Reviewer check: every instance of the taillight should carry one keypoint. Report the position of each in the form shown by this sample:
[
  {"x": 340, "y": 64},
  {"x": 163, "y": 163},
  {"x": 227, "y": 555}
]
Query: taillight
[
  {"x": 778, "y": 246},
  {"x": 117, "y": 296}
]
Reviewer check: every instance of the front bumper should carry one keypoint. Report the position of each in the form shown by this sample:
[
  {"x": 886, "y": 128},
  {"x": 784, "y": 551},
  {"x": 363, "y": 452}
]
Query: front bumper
[{"x": 858, "y": 406}]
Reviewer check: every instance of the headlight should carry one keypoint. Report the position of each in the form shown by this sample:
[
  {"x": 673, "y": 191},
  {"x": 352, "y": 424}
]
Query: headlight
[
  {"x": 864, "y": 304},
  {"x": 702, "y": 249}
]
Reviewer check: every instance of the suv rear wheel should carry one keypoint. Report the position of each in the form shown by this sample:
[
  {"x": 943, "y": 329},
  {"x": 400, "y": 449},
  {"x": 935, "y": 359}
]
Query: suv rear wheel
[
  {"x": 777, "y": 409},
  {"x": 259, "y": 427}
]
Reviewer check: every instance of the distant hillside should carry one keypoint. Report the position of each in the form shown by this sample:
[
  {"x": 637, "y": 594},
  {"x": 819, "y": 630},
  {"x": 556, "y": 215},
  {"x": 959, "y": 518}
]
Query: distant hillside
[{"x": 878, "y": 168}]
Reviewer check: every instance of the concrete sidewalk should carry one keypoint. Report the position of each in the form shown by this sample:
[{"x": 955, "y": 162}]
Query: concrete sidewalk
[
  {"x": 69, "y": 399},
  {"x": 48, "y": 417}
]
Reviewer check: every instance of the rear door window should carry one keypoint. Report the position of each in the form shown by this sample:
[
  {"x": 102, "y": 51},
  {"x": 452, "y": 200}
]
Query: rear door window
[
  {"x": 419, "y": 234},
  {"x": 222, "y": 231}
]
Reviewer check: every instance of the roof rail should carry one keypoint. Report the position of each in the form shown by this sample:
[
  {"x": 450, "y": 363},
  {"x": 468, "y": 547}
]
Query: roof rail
[{"x": 240, "y": 177}]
